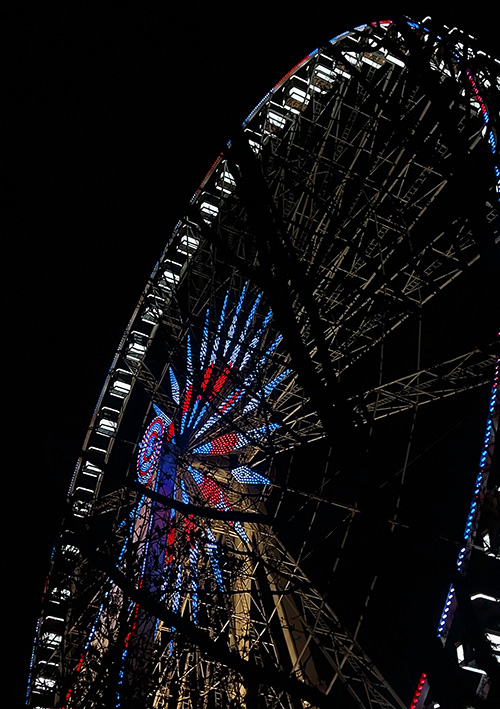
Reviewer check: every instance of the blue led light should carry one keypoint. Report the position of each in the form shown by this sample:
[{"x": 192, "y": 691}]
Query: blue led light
[
  {"x": 257, "y": 107},
  {"x": 255, "y": 340},
  {"x": 257, "y": 433},
  {"x": 174, "y": 387},
  {"x": 203, "y": 411},
  {"x": 198, "y": 477},
  {"x": 184, "y": 495},
  {"x": 463, "y": 555},
  {"x": 241, "y": 532},
  {"x": 166, "y": 420},
  {"x": 214, "y": 558},
  {"x": 94, "y": 625},
  {"x": 267, "y": 389},
  {"x": 339, "y": 36},
  {"x": 234, "y": 322},
  {"x": 242, "y": 337},
  {"x": 204, "y": 342},
  {"x": 446, "y": 611},
  {"x": 176, "y": 596},
  {"x": 205, "y": 448},
  {"x": 193, "y": 565},
  {"x": 193, "y": 411},
  {"x": 247, "y": 476},
  {"x": 215, "y": 347},
  {"x": 189, "y": 359},
  {"x": 262, "y": 361}
]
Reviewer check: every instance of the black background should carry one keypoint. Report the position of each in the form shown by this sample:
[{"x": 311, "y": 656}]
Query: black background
[{"x": 113, "y": 118}]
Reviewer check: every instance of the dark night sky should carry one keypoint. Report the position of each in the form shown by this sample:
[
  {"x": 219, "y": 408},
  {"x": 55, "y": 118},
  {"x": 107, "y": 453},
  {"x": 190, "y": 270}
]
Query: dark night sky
[{"x": 114, "y": 117}]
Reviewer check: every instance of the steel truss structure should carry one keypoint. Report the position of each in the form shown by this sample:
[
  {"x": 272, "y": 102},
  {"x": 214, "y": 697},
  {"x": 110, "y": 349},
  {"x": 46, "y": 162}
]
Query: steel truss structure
[{"x": 215, "y": 513}]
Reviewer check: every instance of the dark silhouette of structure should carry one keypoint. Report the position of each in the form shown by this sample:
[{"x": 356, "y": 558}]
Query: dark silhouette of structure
[{"x": 263, "y": 512}]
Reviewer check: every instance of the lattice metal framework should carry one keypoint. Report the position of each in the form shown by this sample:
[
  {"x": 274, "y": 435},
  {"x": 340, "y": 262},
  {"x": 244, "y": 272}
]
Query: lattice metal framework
[{"x": 252, "y": 368}]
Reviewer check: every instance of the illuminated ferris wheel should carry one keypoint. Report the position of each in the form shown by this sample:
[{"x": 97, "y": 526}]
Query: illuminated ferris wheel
[{"x": 215, "y": 551}]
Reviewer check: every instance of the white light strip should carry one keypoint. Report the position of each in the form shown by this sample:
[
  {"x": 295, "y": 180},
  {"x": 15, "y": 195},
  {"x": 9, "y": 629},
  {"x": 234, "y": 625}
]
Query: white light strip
[{"x": 485, "y": 597}]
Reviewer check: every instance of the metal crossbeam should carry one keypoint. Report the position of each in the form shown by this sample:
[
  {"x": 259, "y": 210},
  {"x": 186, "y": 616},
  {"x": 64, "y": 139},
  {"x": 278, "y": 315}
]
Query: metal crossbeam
[
  {"x": 309, "y": 620},
  {"x": 468, "y": 371}
]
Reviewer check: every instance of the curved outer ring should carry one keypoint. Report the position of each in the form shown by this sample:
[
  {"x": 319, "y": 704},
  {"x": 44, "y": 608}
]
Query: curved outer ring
[{"x": 140, "y": 334}]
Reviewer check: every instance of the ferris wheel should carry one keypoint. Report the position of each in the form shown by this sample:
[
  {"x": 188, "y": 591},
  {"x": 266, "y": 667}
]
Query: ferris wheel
[{"x": 240, "y": 474}]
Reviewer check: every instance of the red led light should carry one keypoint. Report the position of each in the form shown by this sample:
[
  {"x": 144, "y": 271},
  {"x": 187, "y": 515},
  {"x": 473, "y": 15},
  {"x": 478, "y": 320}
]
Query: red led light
[
  {"x": 206, "y": 378},
  {"x": 418, "y": 692},
  {"x": 189, "y": 526},
  {"x": 220, "y": 381},
  {"x": 187, "y": 398},
  {"x": 225, "y": 443},
  {"x": 213, "y": 494}
]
